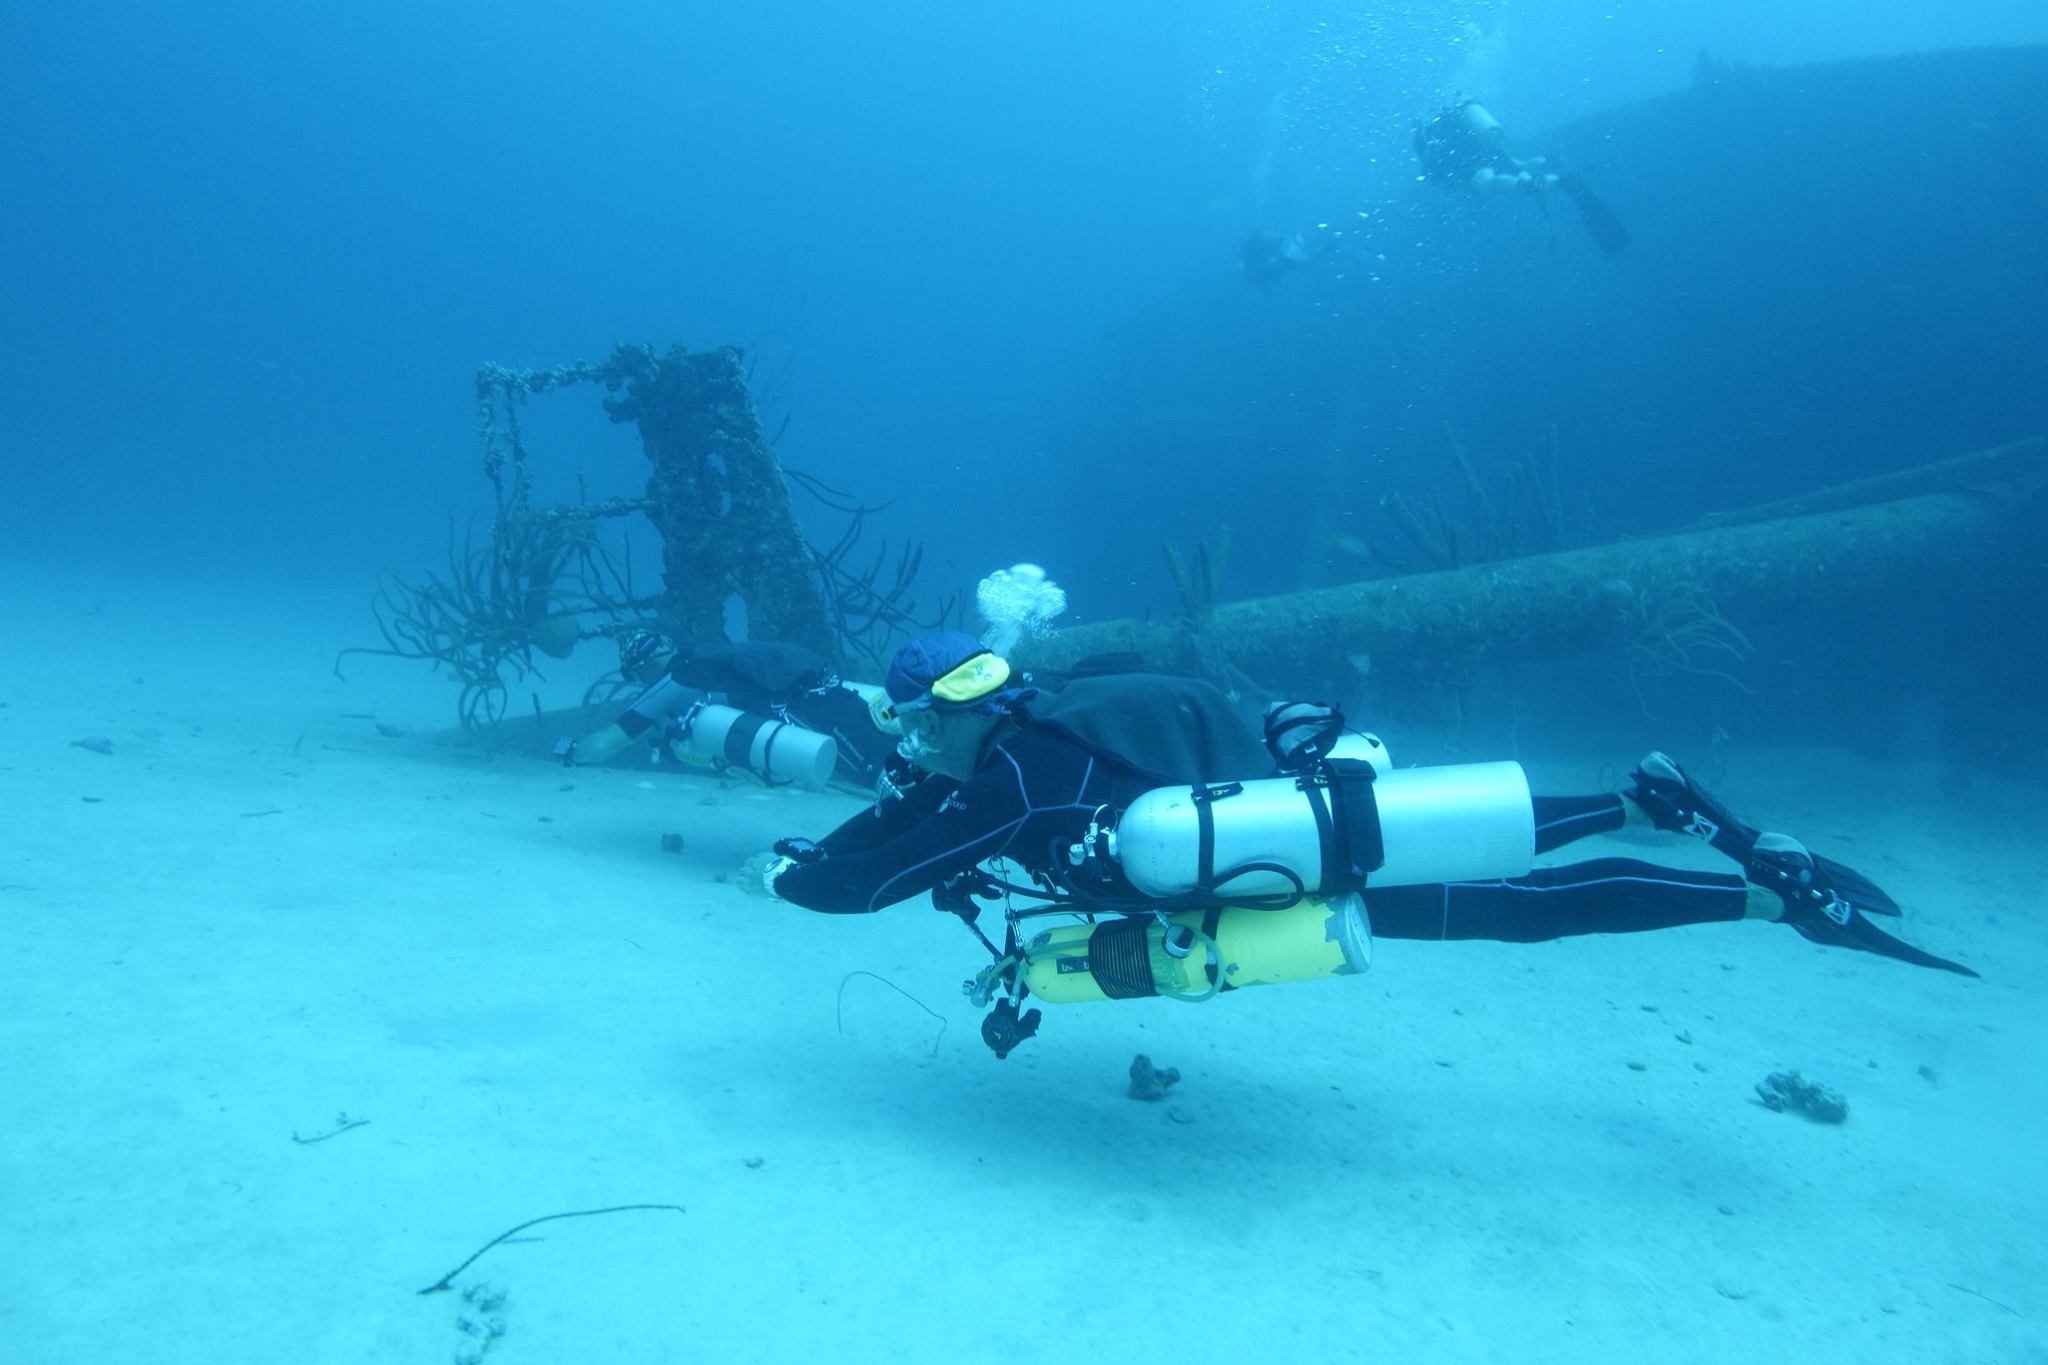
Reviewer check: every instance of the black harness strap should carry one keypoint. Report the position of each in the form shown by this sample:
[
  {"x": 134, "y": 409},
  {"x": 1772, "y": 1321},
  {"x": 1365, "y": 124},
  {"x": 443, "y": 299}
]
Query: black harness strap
[{"x": 1362, "y": 842}]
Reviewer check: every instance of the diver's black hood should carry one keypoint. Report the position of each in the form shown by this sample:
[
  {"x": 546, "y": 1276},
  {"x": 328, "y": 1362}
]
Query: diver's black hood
[{"x": 1175, "y": 731}]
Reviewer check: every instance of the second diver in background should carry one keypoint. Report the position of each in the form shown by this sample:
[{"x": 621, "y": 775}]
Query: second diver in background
[
  {"x": 767, "y": 682},
  {"x": 1464, "y": 148}
]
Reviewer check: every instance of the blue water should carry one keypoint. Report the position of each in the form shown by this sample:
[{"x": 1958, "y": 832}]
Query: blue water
[{"x": 254, "y": 253}]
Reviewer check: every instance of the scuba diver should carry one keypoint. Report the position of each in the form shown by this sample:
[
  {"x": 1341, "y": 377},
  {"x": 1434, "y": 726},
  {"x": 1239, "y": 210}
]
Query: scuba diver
[
  {"x": 1141, "y": 803},
  {"x": 1464, "y": 148},
  {"x": 775, "y": 710},
  {"x": 1268, "y": 257}
]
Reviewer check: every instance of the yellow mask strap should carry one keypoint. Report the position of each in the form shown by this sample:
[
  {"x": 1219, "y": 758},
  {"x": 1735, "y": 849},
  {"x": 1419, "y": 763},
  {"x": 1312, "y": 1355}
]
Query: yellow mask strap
[{"x": 973, "y": 680}]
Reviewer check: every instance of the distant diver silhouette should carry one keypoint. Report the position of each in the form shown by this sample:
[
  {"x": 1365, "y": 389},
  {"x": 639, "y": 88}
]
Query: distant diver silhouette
[{"x": 1464, "y": 148}]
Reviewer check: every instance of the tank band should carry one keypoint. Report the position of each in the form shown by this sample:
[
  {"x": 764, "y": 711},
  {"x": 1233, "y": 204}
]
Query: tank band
[
  {"x": 1205, "y": 828},
  {"x": 1321, "y": 791},
  {"x": 1205, "y": 843},
  {"x": 739, "y": 742}
]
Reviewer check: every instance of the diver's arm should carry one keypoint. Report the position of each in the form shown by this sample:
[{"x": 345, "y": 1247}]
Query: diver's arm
[
  {"x": 665, "y": 699},
  {"x": 888, "y": 818},
  {"x": 971, "y": 822}
]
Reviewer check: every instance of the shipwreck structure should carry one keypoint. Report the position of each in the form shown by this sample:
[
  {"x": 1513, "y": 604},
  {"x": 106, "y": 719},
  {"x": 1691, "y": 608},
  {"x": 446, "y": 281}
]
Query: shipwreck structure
[
  {"x": 735, "y": 562},
  {"x": 716, "y": 495},
  {"x": 1671, "y": 601}
]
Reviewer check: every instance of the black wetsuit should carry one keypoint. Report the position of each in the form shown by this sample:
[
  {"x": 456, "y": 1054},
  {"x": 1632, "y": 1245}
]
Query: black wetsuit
[
  {"x": 1035, "y": 790},
  {"x": 1030, "y": 798}
]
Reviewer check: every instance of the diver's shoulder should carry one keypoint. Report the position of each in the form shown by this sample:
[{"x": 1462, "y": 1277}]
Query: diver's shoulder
[{"x": 1032, "y": 746}]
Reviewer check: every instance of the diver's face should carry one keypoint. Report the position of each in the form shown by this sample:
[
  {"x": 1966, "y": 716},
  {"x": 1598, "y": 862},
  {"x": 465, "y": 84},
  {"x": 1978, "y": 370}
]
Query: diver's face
[
  {"x": 920, "y": 741},
  {"x": 944, "y": 742}
]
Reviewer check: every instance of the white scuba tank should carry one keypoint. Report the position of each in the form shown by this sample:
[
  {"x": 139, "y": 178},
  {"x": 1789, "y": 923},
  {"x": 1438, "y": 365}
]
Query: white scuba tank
[
  {"x": 1461, "y": 822},
  {"x": 1365, "y": 747},
  {"x": 770, "y": 748}
]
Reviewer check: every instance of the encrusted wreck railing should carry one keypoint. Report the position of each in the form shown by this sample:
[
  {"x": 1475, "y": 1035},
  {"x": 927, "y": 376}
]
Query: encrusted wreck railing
[{"x": 732, "y": 551}]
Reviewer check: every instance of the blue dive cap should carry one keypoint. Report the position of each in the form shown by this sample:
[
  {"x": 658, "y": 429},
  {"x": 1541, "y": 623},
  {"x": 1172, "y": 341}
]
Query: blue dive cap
[{"x": 945, "y": 668}]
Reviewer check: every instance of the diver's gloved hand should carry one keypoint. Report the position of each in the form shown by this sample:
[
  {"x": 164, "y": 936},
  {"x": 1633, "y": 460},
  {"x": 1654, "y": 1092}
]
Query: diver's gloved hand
[
  {"x": 799, "y": 850},
  {"x": 757, "y": 874},
  {"x": 956, "y": 895}
]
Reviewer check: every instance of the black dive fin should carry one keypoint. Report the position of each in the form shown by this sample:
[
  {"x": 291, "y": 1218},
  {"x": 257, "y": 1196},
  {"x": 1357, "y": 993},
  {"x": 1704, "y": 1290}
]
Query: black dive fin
[
  {"x": 1856, "y": 888},
  {"x": 1861, "y": 934},
  {"x": 1601, "y": 225},
  {"x": 1675, "y": 802}
]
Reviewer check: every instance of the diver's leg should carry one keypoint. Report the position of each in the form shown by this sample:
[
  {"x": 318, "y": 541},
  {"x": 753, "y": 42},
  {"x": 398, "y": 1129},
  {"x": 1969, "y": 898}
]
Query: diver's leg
[
  {"x": 1604, "y": 896},
  {"x": 1623, "y": 896},
  {"x": 1562, "y": 819}
]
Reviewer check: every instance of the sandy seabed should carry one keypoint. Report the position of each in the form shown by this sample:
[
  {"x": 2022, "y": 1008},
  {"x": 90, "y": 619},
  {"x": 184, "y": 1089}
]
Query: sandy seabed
[{"x": 261, "y": 917}]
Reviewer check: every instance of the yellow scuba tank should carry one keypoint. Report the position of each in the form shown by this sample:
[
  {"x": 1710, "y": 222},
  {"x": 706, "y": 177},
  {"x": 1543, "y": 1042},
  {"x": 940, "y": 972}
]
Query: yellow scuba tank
[{"x": 1197, "y": 953}]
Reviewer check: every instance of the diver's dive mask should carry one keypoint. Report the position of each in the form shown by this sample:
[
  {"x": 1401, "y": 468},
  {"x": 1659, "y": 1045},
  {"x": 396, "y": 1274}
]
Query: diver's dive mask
[
  {"x": 640, "y": 649},
  {"x": 961, "y": 688}
]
